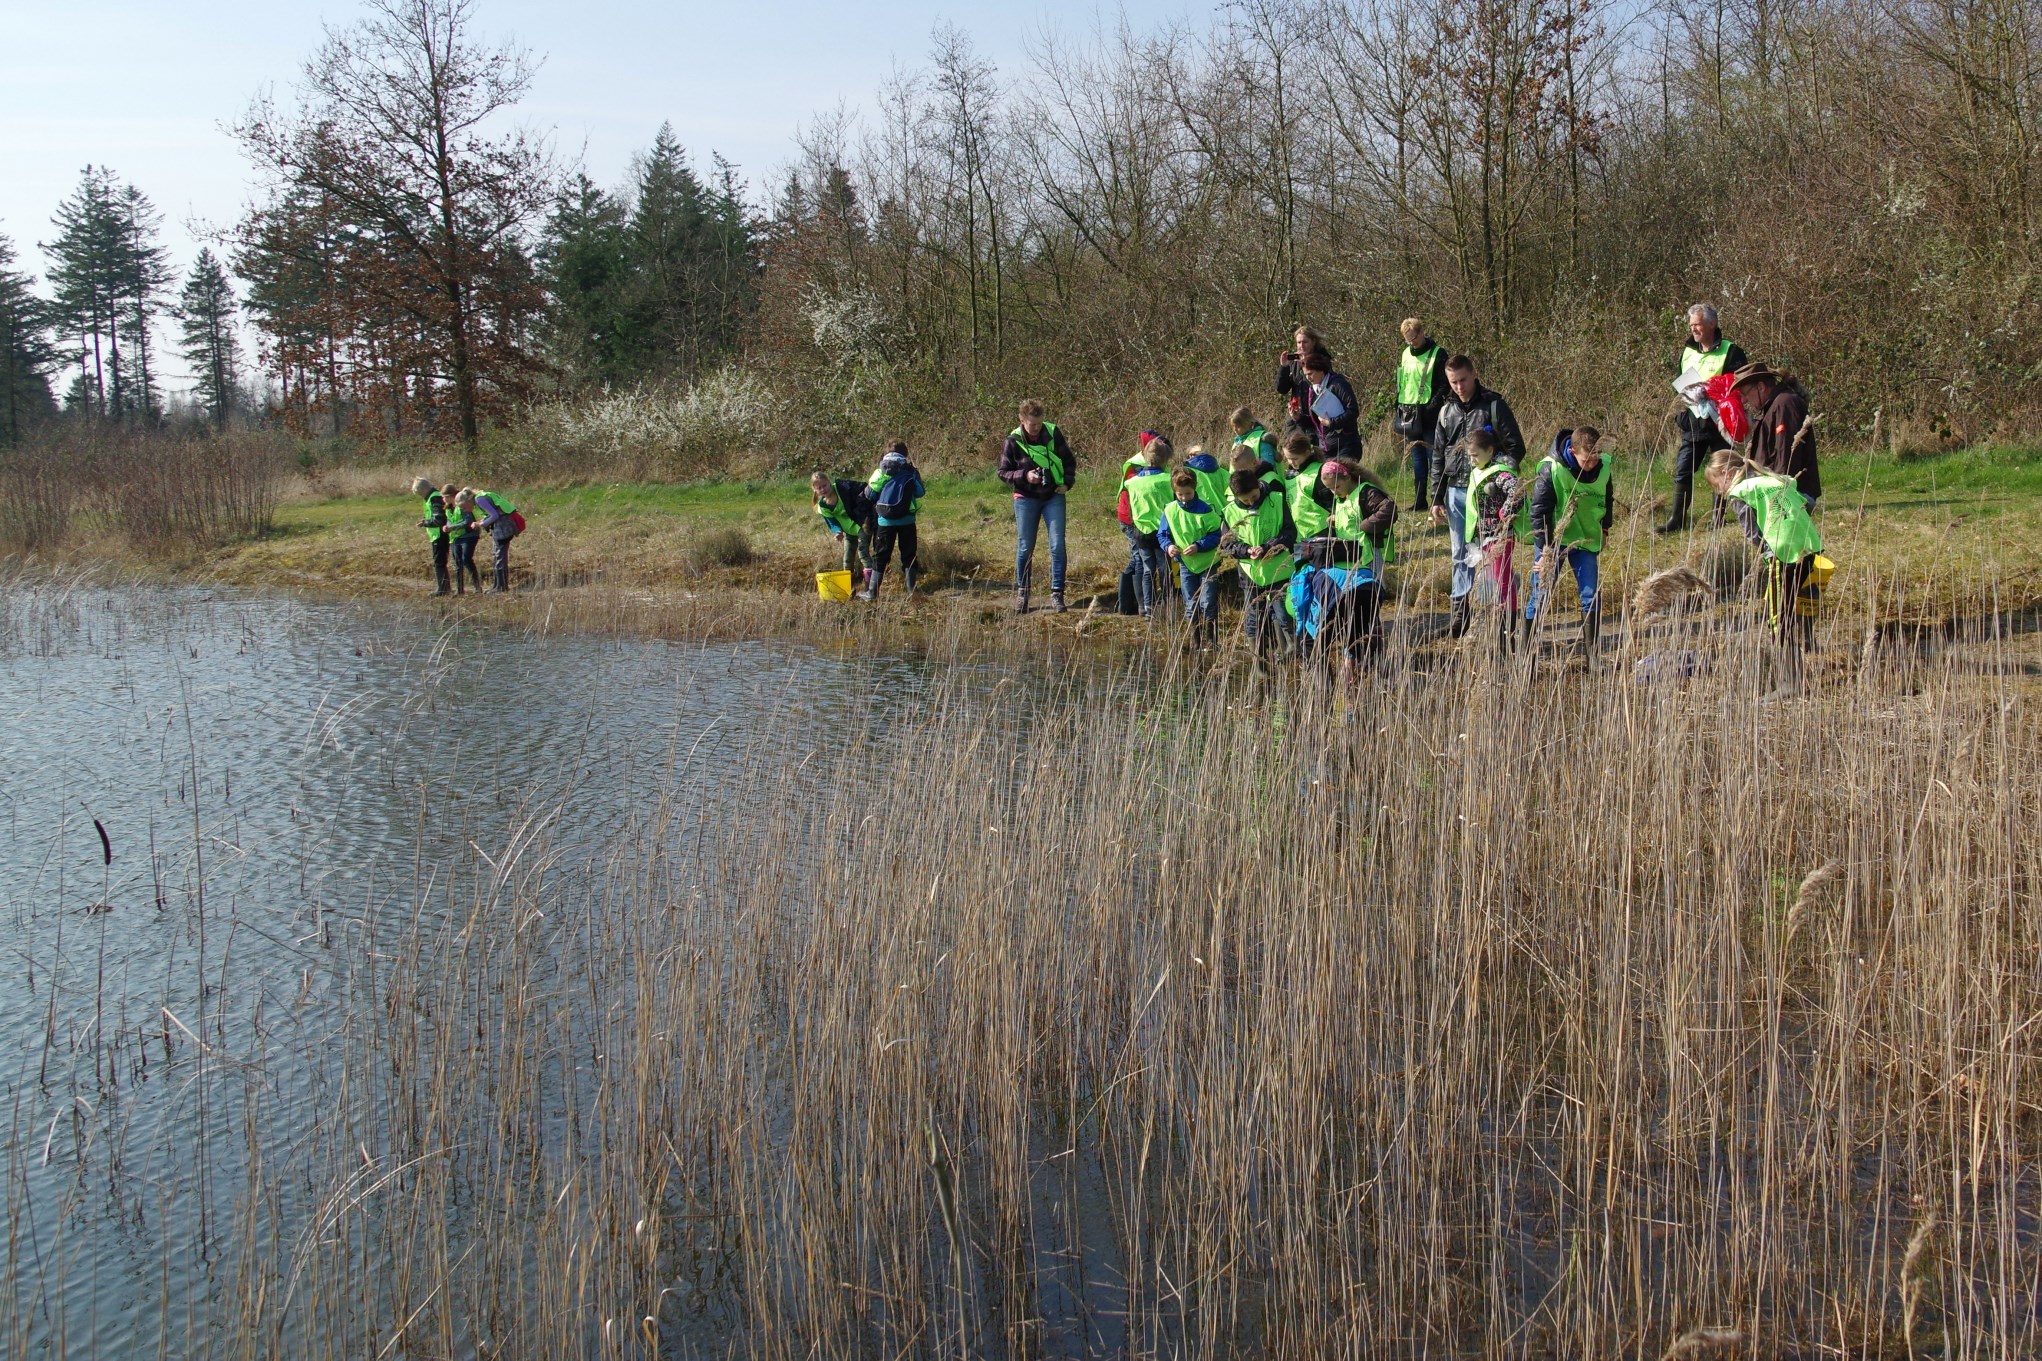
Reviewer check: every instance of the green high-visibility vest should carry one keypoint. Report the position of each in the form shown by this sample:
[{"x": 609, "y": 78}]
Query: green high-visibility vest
[
  {"x": 837, "y": 518},
  {"x": 435, "y": 533},
  {"x": 1476, "y": 479},
  {"x": 499, "y": 502},
  {"x": 1131, "y": 464},
  {"x": 1705, "y": 363},
  {"x": 1789, "y": 531},
  {"x": 1308, "y": 515},
  {"x": 1586, "y": 499},
  {"x": 1147, "y": 494},
  {"x": 460, "y": 522},
  {"x": 1414, "y": 375},
  {"x": 1259, "y": 442},
  {"x": 1187, "y": 528},
  {"x": 1347, "y": 517},
  {"x": 1043, "y": 454},
  {"x": 1212, "y": 486},
  {"x": 1255, "y": 528}
]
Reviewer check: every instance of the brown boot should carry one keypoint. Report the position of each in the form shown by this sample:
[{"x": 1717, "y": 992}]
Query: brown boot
[
  {"x": 1056, "y": 602},
  {"x": 1020, "y": 602}
]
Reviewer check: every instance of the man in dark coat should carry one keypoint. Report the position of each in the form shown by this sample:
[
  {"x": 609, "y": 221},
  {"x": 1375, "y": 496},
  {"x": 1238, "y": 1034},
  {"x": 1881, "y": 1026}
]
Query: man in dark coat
[{"x": 1782, "y": 441}]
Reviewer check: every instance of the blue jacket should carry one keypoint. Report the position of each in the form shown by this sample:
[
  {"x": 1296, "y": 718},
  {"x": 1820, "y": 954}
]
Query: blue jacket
[{"x": 1195, "y": 507}]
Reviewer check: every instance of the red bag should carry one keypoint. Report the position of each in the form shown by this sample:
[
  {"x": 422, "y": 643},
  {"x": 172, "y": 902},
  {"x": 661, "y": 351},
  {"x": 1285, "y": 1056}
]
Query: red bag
[
  {"x": 517, "y": 524},
  {"x": 1730, "y": 417}
]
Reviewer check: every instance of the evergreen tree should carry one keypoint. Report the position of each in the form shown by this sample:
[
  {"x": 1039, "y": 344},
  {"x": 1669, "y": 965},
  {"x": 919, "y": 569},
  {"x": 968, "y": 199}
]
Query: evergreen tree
[
  {"x": 26, "y": 355},
  {"x": 587, "y": 268},
  {"x": 692, "y": 262},
  {"x": 108, "y": 273},
  {"x": 205, "y": 315}
]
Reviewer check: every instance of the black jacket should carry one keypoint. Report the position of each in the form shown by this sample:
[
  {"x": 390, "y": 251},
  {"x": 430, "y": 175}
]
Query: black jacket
[
  {"x": 1015, "y": 465},
  {"x": 1701, "y": 432},
  {"x": 1458, "y": 420},
  {"x": 1339, "y": 439}
]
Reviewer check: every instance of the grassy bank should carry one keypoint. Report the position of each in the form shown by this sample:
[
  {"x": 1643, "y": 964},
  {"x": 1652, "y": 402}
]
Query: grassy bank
[{"x": 1918, "y": 538}]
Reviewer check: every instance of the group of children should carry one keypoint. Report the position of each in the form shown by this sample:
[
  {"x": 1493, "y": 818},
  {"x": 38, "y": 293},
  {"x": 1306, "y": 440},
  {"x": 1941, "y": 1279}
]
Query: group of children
[
  {"x": 1308, "y": 536},
  {"x": 455, "y": 519}
]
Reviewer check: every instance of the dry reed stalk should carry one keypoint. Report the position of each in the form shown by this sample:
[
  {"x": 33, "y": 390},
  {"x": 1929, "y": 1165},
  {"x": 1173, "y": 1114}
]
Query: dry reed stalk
[{"x": 1243, "y": 1019}]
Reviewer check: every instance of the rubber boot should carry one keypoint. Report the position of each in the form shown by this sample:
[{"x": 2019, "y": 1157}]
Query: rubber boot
[
  {"x": 1676, "y": 518},
  {"x": 871, "y": 591},
  {"x": 1591, "y": 632},
  {"x": 1461, "y": 618},
  {"x": 907, "y": 576}
]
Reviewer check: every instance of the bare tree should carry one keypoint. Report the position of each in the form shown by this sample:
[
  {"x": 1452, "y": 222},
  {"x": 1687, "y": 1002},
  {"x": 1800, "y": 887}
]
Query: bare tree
[{"x": 399, "y": 128}]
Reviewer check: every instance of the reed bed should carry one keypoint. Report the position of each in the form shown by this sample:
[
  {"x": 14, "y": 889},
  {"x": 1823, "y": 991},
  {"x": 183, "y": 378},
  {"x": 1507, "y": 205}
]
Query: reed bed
[{"x": 1160, "y": 1010}]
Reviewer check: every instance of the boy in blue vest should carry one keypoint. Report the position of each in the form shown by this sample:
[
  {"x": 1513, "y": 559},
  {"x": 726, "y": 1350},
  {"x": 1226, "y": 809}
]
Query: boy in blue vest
[
  {"x": 1572, "y": 505},
  {"x": 896, "y": 490},
  {"x": 1190, "y": 534}
]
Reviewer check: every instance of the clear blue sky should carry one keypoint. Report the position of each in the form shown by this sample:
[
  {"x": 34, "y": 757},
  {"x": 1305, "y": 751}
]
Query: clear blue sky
[{"x": 145, "y": 86}]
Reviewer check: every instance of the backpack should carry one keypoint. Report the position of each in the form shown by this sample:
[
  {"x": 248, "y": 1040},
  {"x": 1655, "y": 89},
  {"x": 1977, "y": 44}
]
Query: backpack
[{"x": 896, "y": 498}]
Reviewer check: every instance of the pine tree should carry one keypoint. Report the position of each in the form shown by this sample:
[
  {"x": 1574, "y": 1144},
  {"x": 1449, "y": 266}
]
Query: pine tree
[
  {"x": 692, "y": 261},
  {"x": 26, "y": 355},
  {"x": 205, "y": 315},
  {"x": 108, "y": 272},
  {"x": 586, "y": 266}
]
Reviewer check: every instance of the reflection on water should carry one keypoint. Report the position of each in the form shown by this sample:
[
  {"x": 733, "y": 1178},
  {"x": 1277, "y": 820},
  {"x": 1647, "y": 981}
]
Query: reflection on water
[{"x": 274, "y": 777}]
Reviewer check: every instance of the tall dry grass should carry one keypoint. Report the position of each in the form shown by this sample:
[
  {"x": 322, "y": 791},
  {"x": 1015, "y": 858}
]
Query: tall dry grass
[
  {"x": 170, "y": 490},
  {"x": 1522, "y": 1012}
]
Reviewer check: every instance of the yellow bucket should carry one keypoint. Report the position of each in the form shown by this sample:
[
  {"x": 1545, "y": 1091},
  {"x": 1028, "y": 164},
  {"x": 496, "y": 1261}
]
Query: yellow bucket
[{"x": 833, "y": 585}]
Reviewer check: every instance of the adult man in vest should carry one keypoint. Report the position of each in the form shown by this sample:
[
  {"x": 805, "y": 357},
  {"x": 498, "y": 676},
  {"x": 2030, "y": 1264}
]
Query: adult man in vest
[
  {"x": 1468, "y": 407},
  {"x": 1705, "y": 355},
  {"x": 1039, "y": 467},
  {"x": 1421, "y": 387}
]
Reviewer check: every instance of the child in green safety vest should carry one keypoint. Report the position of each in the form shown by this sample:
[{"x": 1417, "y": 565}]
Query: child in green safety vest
[
  {"x": 1496, "y": 512},
  {"x": 1190, "y": 534},
  {"x": 499, "y": 520},
  {"x": 464, "y": 531},
  {"x": 1260, "y": 537},
  {"x": 846, "y": 511},
  {"x": 1311, "y": 505},
  {"x": 1775, "y": 518},
  {"x": 1572, "y": 504},
  {"x": 1144, "y": 492},
  {"x": 1246, "y": 461},
  {"x": 1249, "y": 435},
  {"x": 434, "y": 524}
]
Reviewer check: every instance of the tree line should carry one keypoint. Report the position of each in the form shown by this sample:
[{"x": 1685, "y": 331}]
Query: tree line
[{"x": 1122, "y": 224}]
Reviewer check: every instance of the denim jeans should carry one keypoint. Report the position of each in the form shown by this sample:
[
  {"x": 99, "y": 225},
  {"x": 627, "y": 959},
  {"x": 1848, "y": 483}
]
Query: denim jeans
[
  {"x": 1420, "y": 453},
  {"x": 1029, "y": 514},
  {"x": 1145, "y": 564},
  {"x": 1587, "y": 574},
  {"x": 1262, "y": 618},
  {"x": 1201, "y": 594},
  {"x": 1457, "y": 539}
]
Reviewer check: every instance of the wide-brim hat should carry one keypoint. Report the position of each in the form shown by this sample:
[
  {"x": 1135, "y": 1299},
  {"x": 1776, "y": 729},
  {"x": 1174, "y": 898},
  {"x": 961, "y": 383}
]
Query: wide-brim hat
[{"x": 1752, "y": 373}]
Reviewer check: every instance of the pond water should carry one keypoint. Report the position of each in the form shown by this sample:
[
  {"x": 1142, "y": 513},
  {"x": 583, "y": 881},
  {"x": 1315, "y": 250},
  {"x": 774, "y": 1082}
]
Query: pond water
[{"x": 274, "y": 776}]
